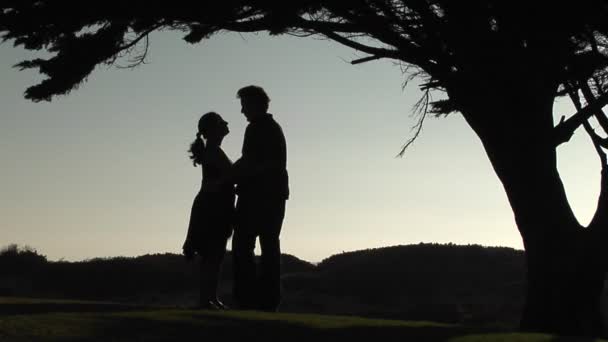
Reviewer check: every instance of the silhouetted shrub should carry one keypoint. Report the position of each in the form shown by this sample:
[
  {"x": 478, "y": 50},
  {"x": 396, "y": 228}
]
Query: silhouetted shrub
[{"x": 16, "y": 260}]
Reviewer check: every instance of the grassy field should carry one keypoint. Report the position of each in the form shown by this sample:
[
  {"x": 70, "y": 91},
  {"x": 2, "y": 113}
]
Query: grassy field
[{"x": 54, "y": 320}]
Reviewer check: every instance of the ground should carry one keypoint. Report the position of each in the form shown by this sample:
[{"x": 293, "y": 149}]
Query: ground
[{"x": 24, "y": 319}]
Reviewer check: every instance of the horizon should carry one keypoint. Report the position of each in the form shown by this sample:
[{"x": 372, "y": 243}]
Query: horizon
[{"x": 315, "y": 262}]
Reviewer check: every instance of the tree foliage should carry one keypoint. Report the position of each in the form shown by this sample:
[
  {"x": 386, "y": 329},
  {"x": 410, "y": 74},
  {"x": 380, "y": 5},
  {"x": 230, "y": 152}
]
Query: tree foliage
[
  {"x": 447, "y": 40},
  {"x": 533, "y": 47}
]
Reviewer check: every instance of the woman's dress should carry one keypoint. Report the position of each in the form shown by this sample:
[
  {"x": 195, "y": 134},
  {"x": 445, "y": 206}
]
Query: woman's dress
[{"x": 212, "y": 214}]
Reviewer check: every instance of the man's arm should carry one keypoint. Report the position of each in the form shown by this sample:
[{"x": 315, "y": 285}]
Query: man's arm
[{"x": 245, "y": 168}]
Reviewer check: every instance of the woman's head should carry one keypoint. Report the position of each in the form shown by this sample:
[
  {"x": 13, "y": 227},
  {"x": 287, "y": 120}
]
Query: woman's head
[{"x": 213, "y": 128}]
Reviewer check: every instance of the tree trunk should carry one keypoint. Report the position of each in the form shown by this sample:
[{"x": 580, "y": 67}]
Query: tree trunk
[
  {"x": 565, "y": 274},
  {"x": 564, "y": 280}
]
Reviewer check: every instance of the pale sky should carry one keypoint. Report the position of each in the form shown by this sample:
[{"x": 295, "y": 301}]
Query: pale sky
[{"x": 104, "y": 171}]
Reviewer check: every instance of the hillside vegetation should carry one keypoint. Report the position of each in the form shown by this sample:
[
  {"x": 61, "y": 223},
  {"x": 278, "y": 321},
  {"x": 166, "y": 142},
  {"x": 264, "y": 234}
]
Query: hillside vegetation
[{"x": 449, "y": 283}]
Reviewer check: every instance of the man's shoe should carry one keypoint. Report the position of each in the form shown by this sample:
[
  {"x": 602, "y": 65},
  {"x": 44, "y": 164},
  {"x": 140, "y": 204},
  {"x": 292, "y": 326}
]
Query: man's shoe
[{"x": 220, "y": 305}]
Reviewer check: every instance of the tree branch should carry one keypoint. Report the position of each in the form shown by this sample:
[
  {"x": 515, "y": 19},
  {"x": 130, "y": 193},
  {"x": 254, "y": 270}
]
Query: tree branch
[
  {"x": 565, "y": 129},
  {"x": 365, "y": 59},
  {"x": 599, "y": 114},
  {"x": 599, "y": 222},
  {"x": 139, "y": 59},
  {"x": 139, "y": 38},
  {"x": 251, "y": 25},
  {"x": 404, "y": 49},
  {"x": 380, "y": 52},
  {"x": 597, "y": 143},
  {"x": 422, "y": 108},
  {"x": 324, "y": 25}
]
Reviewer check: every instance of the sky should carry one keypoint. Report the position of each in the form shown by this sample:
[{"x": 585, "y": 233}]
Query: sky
[{"x": 104, "y": 171}]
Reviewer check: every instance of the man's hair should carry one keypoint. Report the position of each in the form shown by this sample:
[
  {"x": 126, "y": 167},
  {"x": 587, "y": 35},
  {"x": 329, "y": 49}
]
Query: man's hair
[{"x": 255, "y": 93}]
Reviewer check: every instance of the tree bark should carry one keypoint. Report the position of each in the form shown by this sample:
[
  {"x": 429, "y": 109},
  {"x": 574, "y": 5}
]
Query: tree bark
[{"x": 565, "y": 272}]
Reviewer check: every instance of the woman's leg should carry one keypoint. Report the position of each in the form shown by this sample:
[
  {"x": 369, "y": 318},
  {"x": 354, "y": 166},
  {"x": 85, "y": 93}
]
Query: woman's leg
[
  {"x": 219, "y": 262},
  {"x": 206, "y": 284},
  {"x": 211, "y": 266}
]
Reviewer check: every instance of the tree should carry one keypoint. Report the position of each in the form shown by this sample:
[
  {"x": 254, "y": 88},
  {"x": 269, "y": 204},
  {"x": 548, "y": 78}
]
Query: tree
[{"x": 501, "y": 64}]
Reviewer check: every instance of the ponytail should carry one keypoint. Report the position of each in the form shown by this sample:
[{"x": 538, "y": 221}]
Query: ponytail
[{"x": 197, "y": 148}]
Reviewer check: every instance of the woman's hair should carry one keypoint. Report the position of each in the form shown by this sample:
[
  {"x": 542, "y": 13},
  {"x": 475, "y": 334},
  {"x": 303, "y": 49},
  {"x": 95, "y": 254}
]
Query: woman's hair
[{"x": 197, "y": 148}]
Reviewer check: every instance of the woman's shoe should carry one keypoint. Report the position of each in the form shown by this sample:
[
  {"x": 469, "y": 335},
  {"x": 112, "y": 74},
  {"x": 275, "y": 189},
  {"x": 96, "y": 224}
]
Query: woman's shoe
[{"x": 208, "y": 305}]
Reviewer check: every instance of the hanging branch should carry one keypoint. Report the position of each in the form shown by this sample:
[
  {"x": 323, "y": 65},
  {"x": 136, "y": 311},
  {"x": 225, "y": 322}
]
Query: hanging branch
[
  {"x": 140, "y": 58},
  {"x": 422, "y": 109}
]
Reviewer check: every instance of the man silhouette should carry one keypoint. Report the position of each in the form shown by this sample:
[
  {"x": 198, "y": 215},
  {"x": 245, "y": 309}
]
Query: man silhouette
[{"x": 262, "y": 188}]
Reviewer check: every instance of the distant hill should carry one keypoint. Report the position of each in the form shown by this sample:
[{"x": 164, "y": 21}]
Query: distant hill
[{"x": 441, "y": 282}]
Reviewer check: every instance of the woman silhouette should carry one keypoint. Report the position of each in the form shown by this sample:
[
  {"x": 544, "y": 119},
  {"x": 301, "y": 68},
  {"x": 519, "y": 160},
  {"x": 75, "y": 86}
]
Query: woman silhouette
[{"x": 213, "y": 208}]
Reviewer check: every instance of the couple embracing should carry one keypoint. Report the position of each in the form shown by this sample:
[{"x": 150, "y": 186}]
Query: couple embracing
[{"x": 261, "y": 180}]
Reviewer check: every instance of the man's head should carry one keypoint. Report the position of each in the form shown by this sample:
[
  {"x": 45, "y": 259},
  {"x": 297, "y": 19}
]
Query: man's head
[{"x": 254, "y": 101}]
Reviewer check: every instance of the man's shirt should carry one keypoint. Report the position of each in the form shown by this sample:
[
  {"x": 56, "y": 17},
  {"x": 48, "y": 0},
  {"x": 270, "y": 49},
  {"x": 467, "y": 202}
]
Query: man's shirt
[{"x": 263, "y": 165}]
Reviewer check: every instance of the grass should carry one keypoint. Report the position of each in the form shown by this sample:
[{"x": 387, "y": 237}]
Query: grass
[{"x": 59, "y": 320}]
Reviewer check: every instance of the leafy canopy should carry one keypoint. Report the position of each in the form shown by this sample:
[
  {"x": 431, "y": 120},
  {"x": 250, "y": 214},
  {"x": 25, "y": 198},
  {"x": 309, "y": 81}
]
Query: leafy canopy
[{"x": 448, "y": 41}]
